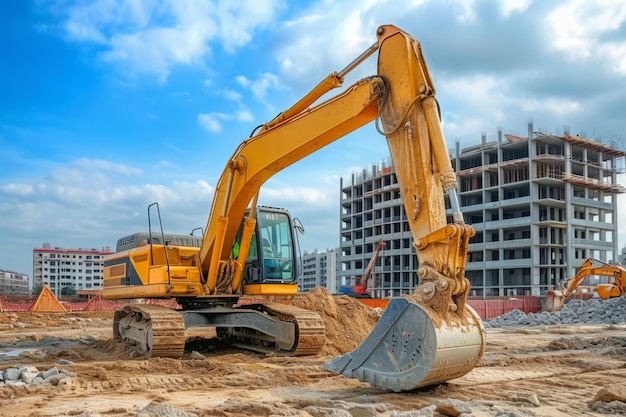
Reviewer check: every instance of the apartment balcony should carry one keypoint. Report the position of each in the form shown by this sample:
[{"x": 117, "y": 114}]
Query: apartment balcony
[
  {"x": 517, "y": 201},
  {"x": 475, "y": 266},
  {"x": 592, "y": 224},
  {"x": 473, "y": 207},
  {"x": 507, "y": 223},
  {"x": 592, "y": 244},
  {"x": 492, "y": 204},
  {"x": 592, "y": 203},
  {"x": 509, "y": 263},
  {"x": 492, "y": 245},
  {"x": 516, "y": 243}
]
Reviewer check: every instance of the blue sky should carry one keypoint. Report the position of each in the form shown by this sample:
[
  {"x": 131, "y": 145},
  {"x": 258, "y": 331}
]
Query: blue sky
[{"x": 107, "y": 106}]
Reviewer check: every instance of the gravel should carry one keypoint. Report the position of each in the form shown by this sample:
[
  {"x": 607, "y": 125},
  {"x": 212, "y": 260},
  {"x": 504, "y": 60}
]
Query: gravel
[{"x": 591, "y": 311}]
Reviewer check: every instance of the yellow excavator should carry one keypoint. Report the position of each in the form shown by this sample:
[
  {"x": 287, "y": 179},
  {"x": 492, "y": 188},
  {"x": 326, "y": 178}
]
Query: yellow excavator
[
  {"x": 615, "y": 287},
  {"x": 426, "y": 338}
]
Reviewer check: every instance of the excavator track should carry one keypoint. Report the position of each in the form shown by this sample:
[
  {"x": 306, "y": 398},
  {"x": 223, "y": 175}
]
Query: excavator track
[
  {"x": 156, "y": 330},
  {"x": 310, "y": 328}
]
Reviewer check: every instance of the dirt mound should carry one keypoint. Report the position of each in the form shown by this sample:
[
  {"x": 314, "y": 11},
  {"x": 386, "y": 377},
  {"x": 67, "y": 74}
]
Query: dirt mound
[{"x": 347, "y": 321}]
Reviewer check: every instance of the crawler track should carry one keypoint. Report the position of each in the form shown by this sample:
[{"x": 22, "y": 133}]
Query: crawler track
[
  {"x": 310, "y": 329},
  {"x": 156, "y": 329}
]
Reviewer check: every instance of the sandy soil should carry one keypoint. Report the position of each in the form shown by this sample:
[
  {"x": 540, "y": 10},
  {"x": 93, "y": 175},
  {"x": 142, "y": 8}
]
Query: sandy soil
[{"x": 546, "y": 371}]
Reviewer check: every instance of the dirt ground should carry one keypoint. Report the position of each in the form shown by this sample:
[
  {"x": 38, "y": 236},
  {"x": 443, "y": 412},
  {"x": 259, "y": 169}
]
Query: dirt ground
[{"x": 541, "y": 371}]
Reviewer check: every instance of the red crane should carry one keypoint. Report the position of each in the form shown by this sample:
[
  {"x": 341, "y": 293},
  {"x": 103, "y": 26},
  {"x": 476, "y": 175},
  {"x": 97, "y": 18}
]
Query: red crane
[{"x": 360, "y": 287}]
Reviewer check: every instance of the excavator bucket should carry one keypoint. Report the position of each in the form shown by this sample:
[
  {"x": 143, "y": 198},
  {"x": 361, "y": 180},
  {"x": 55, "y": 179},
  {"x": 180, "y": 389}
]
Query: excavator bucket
[
  {"x": 412, "y": 346},
  {"x": 554, "y": 301}
]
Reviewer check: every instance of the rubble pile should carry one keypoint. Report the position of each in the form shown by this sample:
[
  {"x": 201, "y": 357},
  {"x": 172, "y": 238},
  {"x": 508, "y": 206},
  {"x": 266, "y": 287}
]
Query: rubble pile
[
  {"x": 31, "y": 376},
  {"x": 591, "y": 311}
]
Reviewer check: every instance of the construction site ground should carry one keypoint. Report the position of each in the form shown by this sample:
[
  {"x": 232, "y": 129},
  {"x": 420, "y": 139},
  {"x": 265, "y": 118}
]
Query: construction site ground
[{"x": 557, "y": 370}]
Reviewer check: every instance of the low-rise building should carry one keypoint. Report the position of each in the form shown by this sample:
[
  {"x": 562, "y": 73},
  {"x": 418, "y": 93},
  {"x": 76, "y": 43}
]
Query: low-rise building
[
  {"x": 68, "y": 270},
  {"x": 14, "y": 283}
]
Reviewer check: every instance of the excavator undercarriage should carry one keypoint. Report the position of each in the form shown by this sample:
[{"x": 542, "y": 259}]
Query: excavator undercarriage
[{"x": 272, "y": 327}]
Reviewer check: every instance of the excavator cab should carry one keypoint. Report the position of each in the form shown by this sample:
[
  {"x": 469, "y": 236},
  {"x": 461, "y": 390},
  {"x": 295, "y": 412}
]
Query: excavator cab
[{"x": 273, "y": 261}]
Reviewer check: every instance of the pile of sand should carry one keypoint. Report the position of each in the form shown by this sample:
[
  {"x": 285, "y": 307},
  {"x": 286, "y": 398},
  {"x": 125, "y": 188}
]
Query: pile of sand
[{"x": 347, "y": 321}]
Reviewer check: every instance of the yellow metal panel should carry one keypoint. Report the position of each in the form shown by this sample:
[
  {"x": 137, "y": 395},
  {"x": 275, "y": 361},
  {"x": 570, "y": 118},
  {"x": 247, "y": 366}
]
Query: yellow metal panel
[{"x": 270, "y": 289}]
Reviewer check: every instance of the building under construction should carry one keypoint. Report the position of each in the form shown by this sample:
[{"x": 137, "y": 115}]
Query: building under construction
[{"x": 540, "y": 204}]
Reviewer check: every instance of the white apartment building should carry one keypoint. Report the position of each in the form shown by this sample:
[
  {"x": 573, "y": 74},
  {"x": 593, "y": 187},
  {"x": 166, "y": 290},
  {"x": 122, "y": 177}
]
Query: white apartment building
[
  {"x": 319, "y": 269},
  {"x": 14, "y": 283},
  {"x": 68, "y": 269}
]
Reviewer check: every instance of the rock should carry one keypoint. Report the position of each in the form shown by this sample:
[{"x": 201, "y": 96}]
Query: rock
[
  {"x": 316, "y": 411},
  {"x": 451, "y": 407},
  {"x": 37, "y": 381},
  {"x": 611, "y": 393},
  {"x": 422, "y": 412},
  {"x": 534, "y": 400},
  {"x": 12, "y": 374},
  {"x": 29, "y": 373},
  {"x": 197, "y": 355},
  {"x": 616, "y": 408},
  {"x": 54, "y": 379},
  {"x": 64, "y": 362},
  {"x": 156, "y": 409},
  {"x": 49, "y": 373},
  {"x": 15, "y": 383}
]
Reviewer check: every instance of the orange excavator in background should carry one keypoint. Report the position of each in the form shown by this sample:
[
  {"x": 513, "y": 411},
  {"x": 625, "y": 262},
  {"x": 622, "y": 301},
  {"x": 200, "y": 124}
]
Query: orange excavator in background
[
  {"x": 426, "y": 338},
  {"x": 360, "y": 287},
  {"x": 615, "y": 287}
]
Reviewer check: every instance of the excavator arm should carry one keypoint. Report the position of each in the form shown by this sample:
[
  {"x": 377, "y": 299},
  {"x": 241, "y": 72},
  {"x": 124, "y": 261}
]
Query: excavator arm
[{"x": 402, "y": 95}]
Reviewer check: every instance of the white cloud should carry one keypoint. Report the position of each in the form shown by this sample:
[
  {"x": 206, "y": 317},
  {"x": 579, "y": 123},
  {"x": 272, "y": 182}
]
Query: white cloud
[
  {"x": 578, "y": 27},
  {"x": 615, "y": 52},
  {"x": 467, "y": 13},
  {"x": 231, "y": 95},
  {"x": 152, "y": 37},
  {"x": 260, "y": 86},
  {"x": 558, "y": 107},
  {"x": 482, "y": 97},
  {"x": 243, "y": 115},
  {"x": 17, "y": 189},
  {"x": 510, "y": 7},
  {"x": 316, "y": 197},
  {"x": 211, "y": 122},
  {"x": 100, "y": 165}
]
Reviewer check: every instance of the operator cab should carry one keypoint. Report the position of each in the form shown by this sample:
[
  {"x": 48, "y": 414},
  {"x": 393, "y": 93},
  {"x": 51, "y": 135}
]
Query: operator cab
[{"x": 273, "y": 261}]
